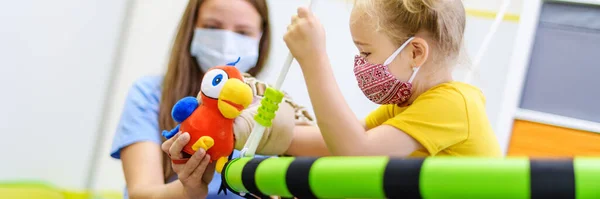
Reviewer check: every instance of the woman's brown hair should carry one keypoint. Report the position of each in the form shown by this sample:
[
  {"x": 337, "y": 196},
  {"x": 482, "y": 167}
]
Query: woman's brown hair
[{"x": 183, "y": 75}]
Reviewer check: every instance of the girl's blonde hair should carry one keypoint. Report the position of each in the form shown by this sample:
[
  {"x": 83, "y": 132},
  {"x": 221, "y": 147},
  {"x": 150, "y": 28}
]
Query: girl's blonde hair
[{"x": 401, "y": 19}]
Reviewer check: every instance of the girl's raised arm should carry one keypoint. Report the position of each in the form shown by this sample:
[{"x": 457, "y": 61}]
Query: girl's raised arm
[{"x": 342, "y": 131}]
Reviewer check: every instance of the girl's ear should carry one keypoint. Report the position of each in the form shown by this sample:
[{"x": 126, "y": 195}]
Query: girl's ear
[{"x": 420, "y": 51}]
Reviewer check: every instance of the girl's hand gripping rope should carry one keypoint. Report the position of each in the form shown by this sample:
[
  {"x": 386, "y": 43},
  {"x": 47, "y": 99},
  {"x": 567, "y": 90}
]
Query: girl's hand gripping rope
[{"x": 270, "y": 103}]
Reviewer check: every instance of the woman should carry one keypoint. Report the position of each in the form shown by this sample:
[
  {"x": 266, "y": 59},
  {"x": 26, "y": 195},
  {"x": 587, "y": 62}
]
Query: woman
[{"x": 211, "y": 33}]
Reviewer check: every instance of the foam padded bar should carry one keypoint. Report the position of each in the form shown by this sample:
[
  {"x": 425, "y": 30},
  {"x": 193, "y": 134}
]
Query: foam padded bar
[
  {"x": 249, "y": 175},
  {"x": 475, "y": 178},
  {"x": 552, "y": 178},
  {"x": 297, "y": 178},
  {"x": 587, "y": 177},
  {"x": 435, "y": 177},
  {"x": 271, "y": 177}
]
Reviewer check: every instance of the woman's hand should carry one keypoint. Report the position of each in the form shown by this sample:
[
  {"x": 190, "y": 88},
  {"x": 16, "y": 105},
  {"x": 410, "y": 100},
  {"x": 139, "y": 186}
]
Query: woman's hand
[
  {"x": 196, "y": 173},
  {"x": 306, "y": 38}
]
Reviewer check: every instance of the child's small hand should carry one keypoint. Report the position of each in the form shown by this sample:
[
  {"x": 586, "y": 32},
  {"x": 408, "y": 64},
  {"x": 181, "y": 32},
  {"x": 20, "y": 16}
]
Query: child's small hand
[{"x": 305, "y": 37}]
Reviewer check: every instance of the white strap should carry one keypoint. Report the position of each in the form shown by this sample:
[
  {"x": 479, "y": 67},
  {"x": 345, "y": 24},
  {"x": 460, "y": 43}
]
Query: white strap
[
  {"x": 395, "y": 54},
  {"x": 414, "y": 74}
]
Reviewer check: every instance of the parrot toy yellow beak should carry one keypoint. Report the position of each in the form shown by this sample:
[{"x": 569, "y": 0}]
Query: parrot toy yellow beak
[{"x": 234, "y": 97}]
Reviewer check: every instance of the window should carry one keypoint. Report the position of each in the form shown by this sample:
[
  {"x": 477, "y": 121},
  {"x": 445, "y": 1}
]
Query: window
[{"x": 563, "y": 77}]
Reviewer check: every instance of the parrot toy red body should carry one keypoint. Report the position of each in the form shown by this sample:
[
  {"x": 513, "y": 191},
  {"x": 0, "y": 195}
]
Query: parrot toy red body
[{"x": 208, "y": 118}]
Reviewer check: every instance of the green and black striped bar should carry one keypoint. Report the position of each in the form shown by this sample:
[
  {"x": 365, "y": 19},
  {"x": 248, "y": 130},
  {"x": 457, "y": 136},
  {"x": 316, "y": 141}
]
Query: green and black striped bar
[{"x": 435, "y": 177}]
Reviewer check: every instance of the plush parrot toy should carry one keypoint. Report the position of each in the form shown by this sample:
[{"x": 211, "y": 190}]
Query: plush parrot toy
[{"x": 208, "y": 118}]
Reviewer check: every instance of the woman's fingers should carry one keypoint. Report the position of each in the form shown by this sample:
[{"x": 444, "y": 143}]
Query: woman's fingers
[
  {"x": 167, "y": 144},
  {"x": 294, "y": 18},
  {"x": 209, "y": 172},
  {"x": 178, "y": 144},
  {"x": 200, "y": 169},
  {"x": 193, "y": 162}
]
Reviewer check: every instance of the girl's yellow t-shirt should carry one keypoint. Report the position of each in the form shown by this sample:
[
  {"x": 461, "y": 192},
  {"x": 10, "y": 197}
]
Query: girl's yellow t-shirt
[{"x": 448, "y": 119}]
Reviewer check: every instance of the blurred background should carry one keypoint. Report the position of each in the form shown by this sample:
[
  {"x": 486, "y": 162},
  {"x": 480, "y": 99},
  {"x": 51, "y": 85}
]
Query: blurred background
[{"x": 66, "y": 67}]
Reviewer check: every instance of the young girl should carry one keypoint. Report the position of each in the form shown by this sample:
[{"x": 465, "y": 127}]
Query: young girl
[{"x": 407, "y": 52}]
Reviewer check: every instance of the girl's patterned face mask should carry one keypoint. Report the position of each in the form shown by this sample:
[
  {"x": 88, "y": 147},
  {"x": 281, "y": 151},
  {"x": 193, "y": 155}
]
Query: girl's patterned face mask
[{"x": 378, "y": 84}]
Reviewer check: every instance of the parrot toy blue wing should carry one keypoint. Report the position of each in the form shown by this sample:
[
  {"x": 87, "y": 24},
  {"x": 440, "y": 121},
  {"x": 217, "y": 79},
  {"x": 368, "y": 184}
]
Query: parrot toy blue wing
[
  {"x": 181, "y": 111},
  {"x": 170, "y": 134}
]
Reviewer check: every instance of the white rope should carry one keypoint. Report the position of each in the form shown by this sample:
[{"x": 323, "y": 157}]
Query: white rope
[
  {"x": 116, "y": 64},
  {"x": 488, "y": 38},
  {"x": 256, "y": 135},
  {"x": 288, "y": 61}
]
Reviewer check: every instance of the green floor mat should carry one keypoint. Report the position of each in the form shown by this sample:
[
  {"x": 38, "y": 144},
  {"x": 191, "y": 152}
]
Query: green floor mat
[{"x": 34, "y": 189}]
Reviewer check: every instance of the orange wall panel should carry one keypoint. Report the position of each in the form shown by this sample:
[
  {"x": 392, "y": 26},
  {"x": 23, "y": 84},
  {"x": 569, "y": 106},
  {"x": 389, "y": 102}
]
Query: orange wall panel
[{"x": 542, "y": 140}]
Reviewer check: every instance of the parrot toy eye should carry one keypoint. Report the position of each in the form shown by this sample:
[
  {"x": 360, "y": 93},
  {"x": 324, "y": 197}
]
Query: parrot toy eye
[
  {"x": 213, "y": 82},
  {"x": 217, "y": 79}
]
